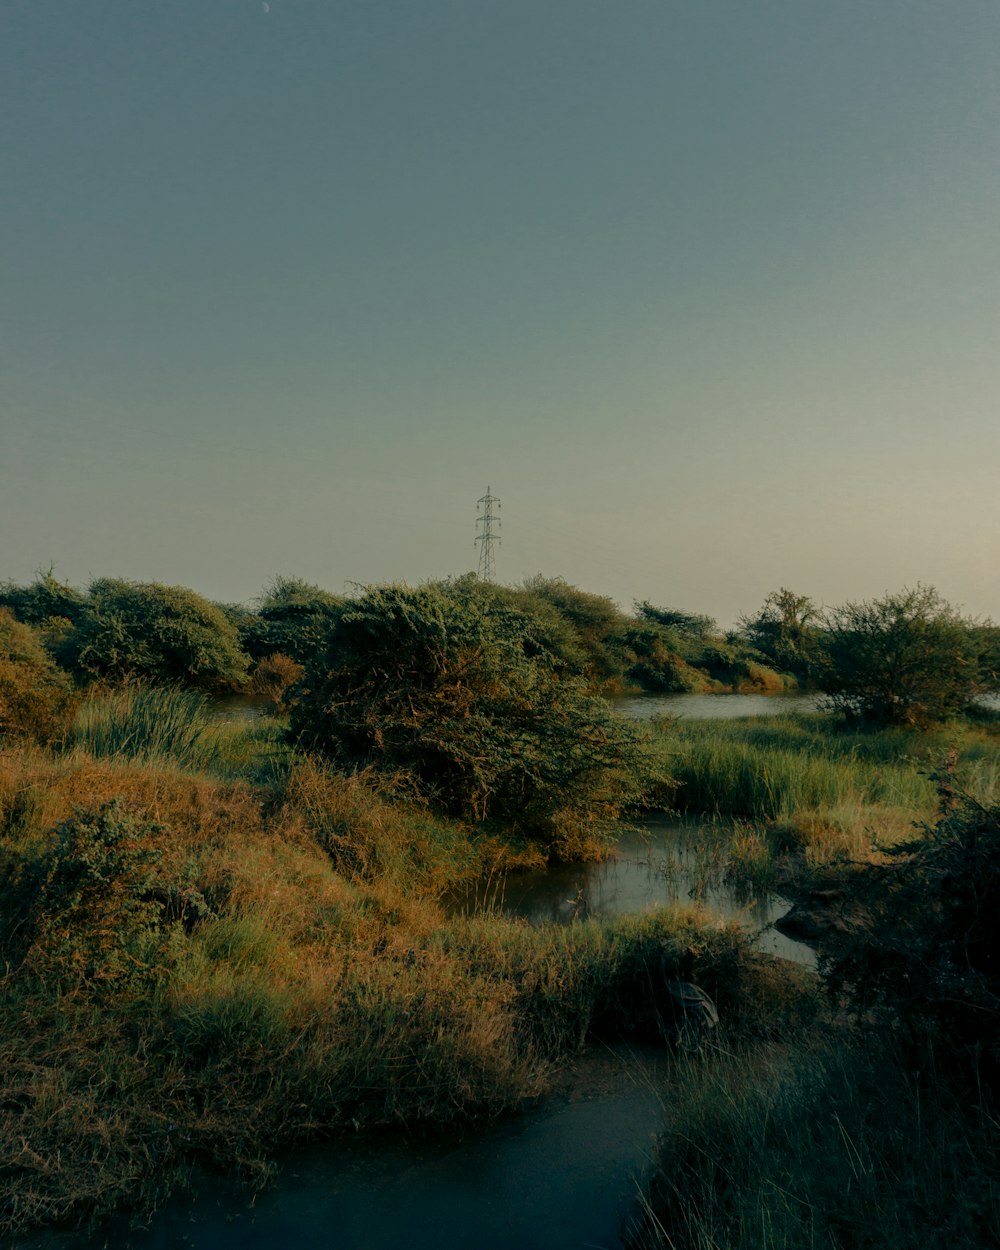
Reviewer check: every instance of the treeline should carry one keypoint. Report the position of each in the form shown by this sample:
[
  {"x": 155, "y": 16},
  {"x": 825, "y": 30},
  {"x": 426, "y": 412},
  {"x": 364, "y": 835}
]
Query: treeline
[
  {"x": 908, "y": 658},
  {"x": 118, "y": 630}
]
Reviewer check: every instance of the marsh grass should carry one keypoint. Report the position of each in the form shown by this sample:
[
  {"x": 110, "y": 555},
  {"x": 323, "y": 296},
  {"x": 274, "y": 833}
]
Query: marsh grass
[
  {"x": 171, "y": 727},
  {"x": 318, "y": 986},
  {"x": 831, "y": 1144},
  {"x": 820, "y": 791},
  {"x": 145, "y": 723}
]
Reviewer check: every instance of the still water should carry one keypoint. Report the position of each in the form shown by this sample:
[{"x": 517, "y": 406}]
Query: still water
[
  {"x": 563, "y": 1176},
  {"x": 714, "y": 706},
  {"x": 666, "y": 862}
]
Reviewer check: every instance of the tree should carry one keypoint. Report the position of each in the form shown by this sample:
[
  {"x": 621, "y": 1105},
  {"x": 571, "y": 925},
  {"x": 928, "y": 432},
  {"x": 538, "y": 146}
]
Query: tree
[
  {"x": 443, "y": 683},
  {"x": 786, "y": 632},
  {"x": 294, "y": 619},
  {"x": 905, "y": 659},
  {"x": 35, "y": 696},
  {"x": 156, "y": 633}
]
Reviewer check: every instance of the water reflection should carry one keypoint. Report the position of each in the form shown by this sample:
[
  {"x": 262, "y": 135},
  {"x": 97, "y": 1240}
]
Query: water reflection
[
  {"x": 715, "y": 706},
  {"x": 667, "y": 862}
]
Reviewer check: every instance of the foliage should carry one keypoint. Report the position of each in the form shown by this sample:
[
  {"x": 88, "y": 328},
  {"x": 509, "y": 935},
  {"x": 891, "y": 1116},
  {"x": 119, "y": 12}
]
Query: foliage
[
  {"x": 86, "y": 907},
  {"x": 836, "y": 1145},
  {"x": 294, "y": 618},
  {"x": 273, "y": 677},
  {"x": 686, "y": 624},
  {"x": 438, "y": 683},
  {"x": 786, "y": 632},
  {"x": 597, "y": 624},
  {"x": 681, "y": 651},
  {"x": 905, "y": 659},
  {"x": 44, "y": 600},
  {"x": 157, "y": 633},
  {"x": 928, "y": 958},
  {"x": 35, "y": 696}
]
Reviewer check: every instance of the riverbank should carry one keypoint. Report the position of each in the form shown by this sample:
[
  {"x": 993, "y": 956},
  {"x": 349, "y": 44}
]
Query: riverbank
[
  {"x": 215, "y": 947},
  {"x": 246, "y": 949}
]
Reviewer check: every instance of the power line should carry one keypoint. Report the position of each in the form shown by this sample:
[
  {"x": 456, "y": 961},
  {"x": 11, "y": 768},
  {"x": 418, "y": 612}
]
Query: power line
[{"x": 487, "y": 539}]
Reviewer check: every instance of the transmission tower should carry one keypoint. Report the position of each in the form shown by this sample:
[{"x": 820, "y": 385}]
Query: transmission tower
[{"x": 487, "y": 539}]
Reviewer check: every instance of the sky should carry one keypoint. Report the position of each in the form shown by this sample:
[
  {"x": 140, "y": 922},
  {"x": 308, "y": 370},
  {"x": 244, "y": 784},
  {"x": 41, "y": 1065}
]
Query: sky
[{"x": 706, "y": 291}]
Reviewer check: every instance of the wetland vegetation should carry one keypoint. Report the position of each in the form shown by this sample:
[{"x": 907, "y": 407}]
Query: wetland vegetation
[{"x": 218, "y": 936}]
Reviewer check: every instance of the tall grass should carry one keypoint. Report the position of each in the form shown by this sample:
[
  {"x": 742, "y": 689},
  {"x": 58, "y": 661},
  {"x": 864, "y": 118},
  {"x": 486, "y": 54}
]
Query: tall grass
[
  {"x": 764, "y": 771},
  {"x": 832, "y": 1146},
  {"x": 163, "y": 724},
  {"x": 145, "y": 723}
]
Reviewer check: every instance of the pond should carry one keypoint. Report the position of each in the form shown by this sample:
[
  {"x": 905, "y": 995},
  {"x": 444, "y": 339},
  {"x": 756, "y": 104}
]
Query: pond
[
  {"x": 714, "y": 706},
  {"x": 665, "y": 862}
]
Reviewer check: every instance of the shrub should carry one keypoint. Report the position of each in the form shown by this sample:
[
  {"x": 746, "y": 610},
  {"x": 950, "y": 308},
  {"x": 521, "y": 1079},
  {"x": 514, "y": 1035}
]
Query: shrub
[
  {"x": 438, "y": 683},
  {"x": 928, "y": 959},
  {"x": 580, "y": 632},
  {"x": 35, "y": 696},
  {"x": 786, "y": 633},
  {"x": 86, "y": 906},
  {"x": 905, "y": 659},
  {"x": 157, "y": 633},
  {"x": 294, "y": 618},
  {"x": 274, "y": 676},
  {"x": 44, "y": 600}
]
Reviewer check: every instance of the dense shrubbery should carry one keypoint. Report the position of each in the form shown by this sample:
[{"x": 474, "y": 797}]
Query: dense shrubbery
[
  {"x": 786, "y": 633},
  {"x": 84, "y": 909},
  {"x": 294, "y": 618},
  {"x": 927, "y": 960},
  {"x": 442, "y": 683},
  {"x": 158, "y": 633},
  {"x": 35, "y": 697},
  {"x": 43, "y": 601},
  {"x": 905, "y": 659}
]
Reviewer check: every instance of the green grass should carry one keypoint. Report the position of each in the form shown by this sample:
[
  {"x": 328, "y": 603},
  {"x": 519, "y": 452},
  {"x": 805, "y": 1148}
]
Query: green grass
[
  {"x": 823, "y": 791},
  {"x": 163, "y": 723}
]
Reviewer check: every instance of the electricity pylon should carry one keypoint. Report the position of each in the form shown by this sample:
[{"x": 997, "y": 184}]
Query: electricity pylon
[{"x": 487, "y": 539}]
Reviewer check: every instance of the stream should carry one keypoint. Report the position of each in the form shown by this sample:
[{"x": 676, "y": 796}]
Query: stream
[{"x": 562, "y": 1175}]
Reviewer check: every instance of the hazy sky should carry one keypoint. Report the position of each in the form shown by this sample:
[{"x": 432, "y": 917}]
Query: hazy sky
[{"x": 707, "y": 291}]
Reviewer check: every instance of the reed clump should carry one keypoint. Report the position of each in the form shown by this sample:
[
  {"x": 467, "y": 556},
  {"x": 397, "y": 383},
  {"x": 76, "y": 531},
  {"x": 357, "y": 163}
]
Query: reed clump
[
  {"x": 831, "y": 1143},
  {"x": 821, "y": 791}
]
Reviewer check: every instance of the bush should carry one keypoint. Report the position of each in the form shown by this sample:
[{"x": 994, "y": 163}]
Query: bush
[
  {"x": 35, "y": 696},
  {"x": 273, "y": 677},
  {"x": 295, "y": 618},
  {"x": 927, "y": 961},
  {"x": 44, "y": 600},
  {"x": 786, "y": 633},
  {"x": 157, "y": 633},
  {"x": 438, "y": 683},
  {"x": 905, "y": 659},
  {"x": 86, "y": 908}
]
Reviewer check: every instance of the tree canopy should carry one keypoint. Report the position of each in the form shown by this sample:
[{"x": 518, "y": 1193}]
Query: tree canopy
[
  {"x": 157, "y": 633},
  {"x": 906, "y": 659}
]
